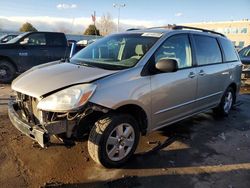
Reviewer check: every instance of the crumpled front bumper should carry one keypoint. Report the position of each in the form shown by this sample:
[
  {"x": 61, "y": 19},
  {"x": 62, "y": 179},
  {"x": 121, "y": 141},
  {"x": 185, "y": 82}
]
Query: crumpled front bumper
[{"x": 32, "y": 131}]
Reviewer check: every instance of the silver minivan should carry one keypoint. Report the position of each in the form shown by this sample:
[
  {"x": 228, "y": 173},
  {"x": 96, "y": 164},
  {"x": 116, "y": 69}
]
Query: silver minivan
[{"x": 126, "y": 85}]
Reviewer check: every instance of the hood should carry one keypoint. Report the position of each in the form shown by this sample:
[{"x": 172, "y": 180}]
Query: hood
[{"x": 43, "y": 79}]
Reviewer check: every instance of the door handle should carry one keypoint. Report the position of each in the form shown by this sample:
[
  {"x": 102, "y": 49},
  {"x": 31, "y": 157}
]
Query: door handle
[
  {"x": 191, "y": 75},
  {"x": 201, "y": 72}
]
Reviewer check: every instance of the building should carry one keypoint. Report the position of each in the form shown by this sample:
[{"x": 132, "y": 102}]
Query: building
[{"x": 237, "y": 31}]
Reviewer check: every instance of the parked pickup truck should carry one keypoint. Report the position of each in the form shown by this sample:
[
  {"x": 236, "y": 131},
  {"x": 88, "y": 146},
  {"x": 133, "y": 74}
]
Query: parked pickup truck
[{"x": 30, "y": 49}]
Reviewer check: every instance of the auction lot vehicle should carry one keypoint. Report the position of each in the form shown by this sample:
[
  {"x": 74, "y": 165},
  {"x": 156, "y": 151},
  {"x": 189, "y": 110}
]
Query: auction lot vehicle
[
  {"x": 30, "y": 49},
  {"x": 245, "y": 59},
  {"x": 126, "y": 85}
]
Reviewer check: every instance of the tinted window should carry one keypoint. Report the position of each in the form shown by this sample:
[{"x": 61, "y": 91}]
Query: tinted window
[
  {"x": 229, "y": 50},
  {"x": 207, "y": 50},
  {"x": 178, "y": 48},
  {"x": 34, "y": 39},
  {"x": 56, "y": 39}
]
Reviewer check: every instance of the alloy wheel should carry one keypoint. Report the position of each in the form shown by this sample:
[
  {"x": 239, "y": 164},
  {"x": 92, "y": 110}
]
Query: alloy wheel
[{"x": 120, "y": 142}]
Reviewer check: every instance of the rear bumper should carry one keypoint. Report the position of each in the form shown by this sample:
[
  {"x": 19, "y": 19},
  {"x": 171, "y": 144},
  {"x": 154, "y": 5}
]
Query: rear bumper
[{"x": 32, "y": 131}]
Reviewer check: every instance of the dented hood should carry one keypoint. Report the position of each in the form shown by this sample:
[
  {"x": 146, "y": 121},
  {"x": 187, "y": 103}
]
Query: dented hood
[{"x": 44, "y": 79}]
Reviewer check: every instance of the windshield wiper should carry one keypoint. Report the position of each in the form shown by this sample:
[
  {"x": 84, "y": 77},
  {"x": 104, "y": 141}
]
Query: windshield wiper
[{"x": 84, "y": 64}]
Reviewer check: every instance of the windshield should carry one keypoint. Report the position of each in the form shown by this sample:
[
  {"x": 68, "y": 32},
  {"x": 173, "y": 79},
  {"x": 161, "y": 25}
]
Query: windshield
[
  {"x": 116, "y": 52},
  {"x": 245, "y": 52},
  {"x": 3, "y": 36},
  {"x": 14, "y": 40}
]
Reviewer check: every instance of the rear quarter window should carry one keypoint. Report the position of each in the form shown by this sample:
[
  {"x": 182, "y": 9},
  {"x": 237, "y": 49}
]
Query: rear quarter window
[
  {"x": 56, "y": 39},
  {"x": 229, "y": 50}
]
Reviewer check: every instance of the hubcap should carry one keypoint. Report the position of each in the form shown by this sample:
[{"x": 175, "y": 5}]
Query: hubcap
[
  {"x": 120, "y": 142},
  {"x": 228, "y": 101},
  {"x": 3, "y": 72}
]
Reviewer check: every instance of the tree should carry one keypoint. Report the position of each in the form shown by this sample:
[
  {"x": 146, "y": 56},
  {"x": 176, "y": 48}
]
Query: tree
[
  {"x": 106, "y": 24},
  {"x": 92, "y": 30},
  {"x": 27, "y": 27}
]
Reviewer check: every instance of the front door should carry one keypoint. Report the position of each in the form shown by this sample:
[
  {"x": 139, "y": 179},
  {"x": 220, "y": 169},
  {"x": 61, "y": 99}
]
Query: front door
[{"x": 173, "y": 94}]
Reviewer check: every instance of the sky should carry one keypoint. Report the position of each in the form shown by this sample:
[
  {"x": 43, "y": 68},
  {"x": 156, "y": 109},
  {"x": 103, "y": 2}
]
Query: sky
[{"x": 76, "y": 14}]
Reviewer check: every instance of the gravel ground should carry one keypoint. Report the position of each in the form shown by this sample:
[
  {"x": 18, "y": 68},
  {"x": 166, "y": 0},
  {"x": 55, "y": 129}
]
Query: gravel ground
[{"x": 207, "y": 152}]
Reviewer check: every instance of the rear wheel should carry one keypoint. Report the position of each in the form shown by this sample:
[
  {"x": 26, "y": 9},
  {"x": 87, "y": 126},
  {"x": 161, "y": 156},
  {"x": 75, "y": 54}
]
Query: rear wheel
[
  {"x": 113, "y": 140},
  {"x": 7, "y": 71},
  {"x": 226, "y": 104}
]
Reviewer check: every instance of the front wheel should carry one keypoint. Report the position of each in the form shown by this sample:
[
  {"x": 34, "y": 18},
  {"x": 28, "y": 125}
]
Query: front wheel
[
  {"x": 7, "y": 71},
  {"x": 226, "y": 104},
  {"x": 113, "y": 140}
]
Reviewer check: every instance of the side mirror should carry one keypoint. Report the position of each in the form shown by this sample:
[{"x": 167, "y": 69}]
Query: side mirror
[{"x": 166, "y": 65}]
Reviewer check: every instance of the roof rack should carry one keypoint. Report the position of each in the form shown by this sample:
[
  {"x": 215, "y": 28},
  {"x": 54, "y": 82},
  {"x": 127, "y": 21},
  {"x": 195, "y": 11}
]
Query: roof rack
[
  {"x": 179, "y": 27},
  {"x": 169, "y": 26}
]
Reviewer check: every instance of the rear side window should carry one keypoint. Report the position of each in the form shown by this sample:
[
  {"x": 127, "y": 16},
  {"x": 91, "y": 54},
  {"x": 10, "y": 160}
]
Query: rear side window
[
  {"x": 56, "y": 39},
  {"x": 207, "y": 50},
  {"x": 228, "y": 49},
  {"x": 35, "y": 39}
]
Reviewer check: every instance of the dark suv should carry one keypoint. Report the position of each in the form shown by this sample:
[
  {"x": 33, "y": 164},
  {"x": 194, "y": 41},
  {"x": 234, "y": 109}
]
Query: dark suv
[{"x": 245, "y": 59}]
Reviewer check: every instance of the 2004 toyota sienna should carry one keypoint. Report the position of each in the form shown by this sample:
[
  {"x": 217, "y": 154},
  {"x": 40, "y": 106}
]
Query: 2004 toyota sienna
[{"x": 126, "y": 85}]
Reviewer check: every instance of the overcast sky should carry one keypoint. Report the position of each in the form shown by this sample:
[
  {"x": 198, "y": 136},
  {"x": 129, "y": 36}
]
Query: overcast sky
[{"x": 75, "y": 15}]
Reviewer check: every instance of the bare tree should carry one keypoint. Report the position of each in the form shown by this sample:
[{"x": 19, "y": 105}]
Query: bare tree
[
  {"x": 106, "y": 24},
  {"x": 64, "y": 29}
]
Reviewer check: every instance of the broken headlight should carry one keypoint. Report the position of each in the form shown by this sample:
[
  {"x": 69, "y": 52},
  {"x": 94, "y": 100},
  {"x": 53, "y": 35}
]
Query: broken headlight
[{"x": 67, "y": 99}]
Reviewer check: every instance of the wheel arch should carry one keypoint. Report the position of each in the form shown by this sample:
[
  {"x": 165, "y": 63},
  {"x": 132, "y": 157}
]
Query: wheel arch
[
  {"x": 234, "y": 87},
  {"x": 138, "y": 113},
  {"x": 9, "y": 60},
  {"x": 98, "y": 111}
]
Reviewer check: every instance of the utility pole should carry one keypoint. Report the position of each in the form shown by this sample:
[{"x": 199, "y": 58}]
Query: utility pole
[
  {"x": 118, "y": 6},
  {"x": 93, "y": 16}
]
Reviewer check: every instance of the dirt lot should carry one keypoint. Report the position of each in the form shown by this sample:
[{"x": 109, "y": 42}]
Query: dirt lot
[{"x": 208, "y": 152}]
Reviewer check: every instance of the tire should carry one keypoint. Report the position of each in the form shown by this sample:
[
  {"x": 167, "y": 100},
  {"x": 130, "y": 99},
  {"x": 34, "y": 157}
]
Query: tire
[
  {"x": 7, "y": 72},
  {"x": 226, "y": 104},
  {"x": 113, "y": 140}
]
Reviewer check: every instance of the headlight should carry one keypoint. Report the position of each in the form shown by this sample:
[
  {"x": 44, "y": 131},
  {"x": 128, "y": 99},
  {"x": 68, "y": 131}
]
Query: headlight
[{"x": 68, "y": 99}]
